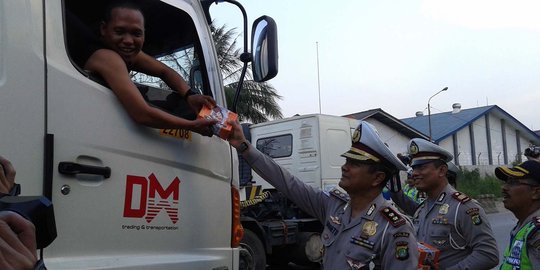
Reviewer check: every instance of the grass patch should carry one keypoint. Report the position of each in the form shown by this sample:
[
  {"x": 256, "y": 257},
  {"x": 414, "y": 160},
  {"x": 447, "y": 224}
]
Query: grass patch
[{"x": 472, "y": 184}]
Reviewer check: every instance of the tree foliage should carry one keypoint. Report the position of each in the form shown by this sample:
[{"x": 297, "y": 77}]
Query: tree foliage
[{"x": 257, "y": 101}]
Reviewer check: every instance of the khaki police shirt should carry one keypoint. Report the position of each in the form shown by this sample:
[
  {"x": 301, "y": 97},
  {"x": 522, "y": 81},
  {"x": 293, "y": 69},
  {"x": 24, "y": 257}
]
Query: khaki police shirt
[
  {"x": 457, "y": 226},
  {"x": 381, "y": 238}
]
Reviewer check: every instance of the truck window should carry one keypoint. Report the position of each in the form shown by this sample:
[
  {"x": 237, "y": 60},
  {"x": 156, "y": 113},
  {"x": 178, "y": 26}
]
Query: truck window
[
  {"x": 277, "y": 146},
  {"x": 170, "y": 37}
]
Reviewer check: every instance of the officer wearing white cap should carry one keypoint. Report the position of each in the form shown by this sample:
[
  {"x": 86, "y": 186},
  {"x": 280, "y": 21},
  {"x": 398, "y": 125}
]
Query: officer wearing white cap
[
  {"x": 447, "y": 219},
  {"x": 362, "y": 230},
  {"x": 521, "y": 195}
]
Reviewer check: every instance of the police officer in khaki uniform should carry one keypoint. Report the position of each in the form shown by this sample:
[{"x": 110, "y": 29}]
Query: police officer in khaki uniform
[
  {"x": 521, "y": 195},
  {"x": 362, "y": 230},
  {"x": 448, "y": 220}
]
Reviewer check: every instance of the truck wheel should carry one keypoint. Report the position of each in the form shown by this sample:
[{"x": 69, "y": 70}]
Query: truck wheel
[{"x": 252, "y": 254}]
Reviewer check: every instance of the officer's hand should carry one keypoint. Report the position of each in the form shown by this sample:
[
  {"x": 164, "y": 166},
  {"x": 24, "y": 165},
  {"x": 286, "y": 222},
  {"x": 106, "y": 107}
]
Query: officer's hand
[
  {"x": 196, "y": 102},
  {"x": 17, "y": 242},
  {"x": 203, "y": 126},
  {"x": 237, "y": 135},
  {"x": 7, "y": 175}
]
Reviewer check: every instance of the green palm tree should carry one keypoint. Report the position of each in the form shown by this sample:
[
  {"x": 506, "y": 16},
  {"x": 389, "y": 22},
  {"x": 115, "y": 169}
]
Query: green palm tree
[{"x": 257, "y": 101}]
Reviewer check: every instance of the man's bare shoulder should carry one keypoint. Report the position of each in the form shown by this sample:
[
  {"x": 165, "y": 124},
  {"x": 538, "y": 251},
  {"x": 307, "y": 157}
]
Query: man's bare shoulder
[{"x": 104, "y": 58}]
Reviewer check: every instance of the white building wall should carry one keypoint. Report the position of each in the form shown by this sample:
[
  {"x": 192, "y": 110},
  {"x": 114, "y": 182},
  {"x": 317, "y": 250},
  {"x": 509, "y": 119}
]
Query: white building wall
[
  {"x": 395, "y": 140},
  {"x": 496, "y": 140},
  {"x": 511, "y": 144},
  {"x": 463, "y": 153},
  {"x": 480, "y": 141}
]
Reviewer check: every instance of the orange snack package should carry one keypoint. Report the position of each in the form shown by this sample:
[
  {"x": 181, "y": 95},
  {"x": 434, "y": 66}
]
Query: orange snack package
[
  {"x": 428, "y": 258},
  {"x": 221, "y": 128}
]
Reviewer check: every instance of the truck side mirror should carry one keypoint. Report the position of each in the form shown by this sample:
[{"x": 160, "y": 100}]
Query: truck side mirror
[{"x": 264, "y": 49}]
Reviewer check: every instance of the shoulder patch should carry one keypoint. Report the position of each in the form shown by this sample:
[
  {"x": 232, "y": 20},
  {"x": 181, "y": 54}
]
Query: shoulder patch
[
  {"x": 461, "y": 197},
  {"x": 393, "y": 216},
  {"x": 340, "y": 195}
]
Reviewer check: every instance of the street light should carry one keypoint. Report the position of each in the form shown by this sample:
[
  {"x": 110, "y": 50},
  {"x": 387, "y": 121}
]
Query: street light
[{"x": 429, "y": 110}]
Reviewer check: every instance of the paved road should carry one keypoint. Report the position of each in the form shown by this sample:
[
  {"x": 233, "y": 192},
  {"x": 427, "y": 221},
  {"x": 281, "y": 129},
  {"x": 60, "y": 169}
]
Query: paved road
[{"x": 501, "y": 223}]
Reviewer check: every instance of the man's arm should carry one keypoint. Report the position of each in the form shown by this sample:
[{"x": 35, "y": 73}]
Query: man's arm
[
  {"x": 405, "y": 203},
  {"x": 401, "y": 249},
  {"x": 110, "y": 66},
  {"x": 475, "y": 228},
  {"x": 148, "y": 65},
  {"x": 306, "y": 197},
  {"x": 17, "y": 242}
]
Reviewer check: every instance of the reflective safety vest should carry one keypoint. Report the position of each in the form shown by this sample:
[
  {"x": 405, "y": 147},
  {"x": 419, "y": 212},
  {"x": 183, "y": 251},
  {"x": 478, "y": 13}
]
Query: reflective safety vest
[{"x": 515, "y": 256}]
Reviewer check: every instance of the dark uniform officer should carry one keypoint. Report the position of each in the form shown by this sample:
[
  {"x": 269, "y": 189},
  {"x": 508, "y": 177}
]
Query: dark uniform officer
[
  {"x": 521, "y": 195},
  {"x": 362, "y": 230},
  {"x": 447, "y": 220}
]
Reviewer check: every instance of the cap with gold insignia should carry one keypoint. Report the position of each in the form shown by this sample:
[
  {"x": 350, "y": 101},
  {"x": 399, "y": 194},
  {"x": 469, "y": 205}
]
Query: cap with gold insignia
[
  {"x": 528, "y": 169},
  {"x": 368, "y": 146},
  {"x": 422, "y": 151}
]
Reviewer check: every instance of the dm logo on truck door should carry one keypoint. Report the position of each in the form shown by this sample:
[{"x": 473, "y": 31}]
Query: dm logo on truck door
[{"x": 152, "y": 198}]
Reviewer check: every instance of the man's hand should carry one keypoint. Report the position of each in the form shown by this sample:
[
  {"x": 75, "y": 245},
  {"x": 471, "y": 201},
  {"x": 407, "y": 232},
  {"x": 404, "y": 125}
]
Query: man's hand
[
  {"x": 237, "y": 135},
  {"x": 203, "y": 126},
  {"x": 17, "y": 242},
  {"x": 196, "y": 102},
  {"x": 7, "y": 175}
]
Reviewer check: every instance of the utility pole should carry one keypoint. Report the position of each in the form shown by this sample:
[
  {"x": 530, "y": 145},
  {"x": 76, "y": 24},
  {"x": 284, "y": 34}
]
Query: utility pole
[{"x": 318, "y": 75}]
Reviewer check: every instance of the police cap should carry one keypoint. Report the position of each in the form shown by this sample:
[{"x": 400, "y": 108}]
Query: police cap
[
  {"x": 368, "y": 146},
  {"x": 422, "y": 151}
]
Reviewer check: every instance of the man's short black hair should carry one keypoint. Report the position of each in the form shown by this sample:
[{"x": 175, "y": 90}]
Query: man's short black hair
[
  {"x": 379, "y": 167},
  {"x": 120, "y": 4}
]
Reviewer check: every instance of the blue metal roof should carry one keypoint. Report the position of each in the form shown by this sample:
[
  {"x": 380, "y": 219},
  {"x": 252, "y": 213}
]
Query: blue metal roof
[{"x": 446, "y": 124}]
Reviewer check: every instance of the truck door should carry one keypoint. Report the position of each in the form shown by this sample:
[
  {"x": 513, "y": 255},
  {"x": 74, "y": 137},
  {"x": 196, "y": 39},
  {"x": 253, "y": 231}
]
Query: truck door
[{"x": 166, "y": 202}]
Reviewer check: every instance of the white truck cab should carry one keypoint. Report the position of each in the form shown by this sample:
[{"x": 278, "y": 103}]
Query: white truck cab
[{"x": 125, "y": 196}]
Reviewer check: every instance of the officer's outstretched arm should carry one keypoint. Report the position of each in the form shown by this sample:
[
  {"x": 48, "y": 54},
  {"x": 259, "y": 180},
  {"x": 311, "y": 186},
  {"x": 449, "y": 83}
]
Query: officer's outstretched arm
[
  {"x": 476, "y": 230},
  {"x": 400, "y": 249}
]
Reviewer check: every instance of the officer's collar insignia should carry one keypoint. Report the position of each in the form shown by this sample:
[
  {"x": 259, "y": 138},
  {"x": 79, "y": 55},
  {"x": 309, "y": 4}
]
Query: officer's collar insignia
[
  {"x": 461, "y": 197},
  {"x": 441, "y": 197},
  {"x": 393, "y": 216},
  {"x": 369, "y": 229},
  {"x": 335, "y": 220},
  {"x": 413, "y": 148},
  {"x": 402, "y": 251},
  {"x": 370, "y": 210},
  {"x": 443, "y": 210},
  {"x": 342, "y": 195},
  {"x": 356, "y": 135}
]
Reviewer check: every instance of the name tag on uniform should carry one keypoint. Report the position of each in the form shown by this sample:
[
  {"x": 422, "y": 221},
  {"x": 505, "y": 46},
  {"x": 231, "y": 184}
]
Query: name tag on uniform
[{"x": 362, "y": 242}]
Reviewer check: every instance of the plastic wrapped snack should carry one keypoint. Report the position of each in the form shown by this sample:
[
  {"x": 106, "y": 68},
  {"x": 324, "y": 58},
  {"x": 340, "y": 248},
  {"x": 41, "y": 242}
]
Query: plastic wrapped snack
[{"x": 221, "y": 128}]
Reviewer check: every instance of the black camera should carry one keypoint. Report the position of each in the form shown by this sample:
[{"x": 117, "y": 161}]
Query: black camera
[
  {"x": 37, "y": 209},
  {"x": 532, "y": 152}
]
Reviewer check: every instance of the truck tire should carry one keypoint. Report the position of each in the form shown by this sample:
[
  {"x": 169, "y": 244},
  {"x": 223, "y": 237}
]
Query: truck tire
[{"x": 252, "y": 254}]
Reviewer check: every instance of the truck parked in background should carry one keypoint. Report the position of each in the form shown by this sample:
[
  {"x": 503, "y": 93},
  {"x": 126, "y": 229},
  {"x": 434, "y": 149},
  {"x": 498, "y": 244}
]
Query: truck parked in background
[
  {"x": 309, "y": 146},
  {"x": 125, "y": 196}
]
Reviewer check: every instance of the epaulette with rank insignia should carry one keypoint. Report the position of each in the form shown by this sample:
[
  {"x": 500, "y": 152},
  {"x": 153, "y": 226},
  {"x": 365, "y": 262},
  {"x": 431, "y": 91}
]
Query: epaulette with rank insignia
[
  {"x": 393, "y": 217},
  {"x": 340, "y": 194},
  {"x": 461, "y": 197}
]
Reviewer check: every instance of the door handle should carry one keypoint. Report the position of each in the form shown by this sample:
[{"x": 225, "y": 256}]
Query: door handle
[{"x": 72, "y": 168}]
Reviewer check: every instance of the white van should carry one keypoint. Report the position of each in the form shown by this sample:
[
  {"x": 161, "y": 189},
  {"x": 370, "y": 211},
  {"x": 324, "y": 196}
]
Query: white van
[{"x": 125, "y": 196}]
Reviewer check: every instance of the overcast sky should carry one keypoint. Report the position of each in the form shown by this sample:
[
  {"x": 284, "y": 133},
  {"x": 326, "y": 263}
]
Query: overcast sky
[{"x": 395, "y": 55}]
